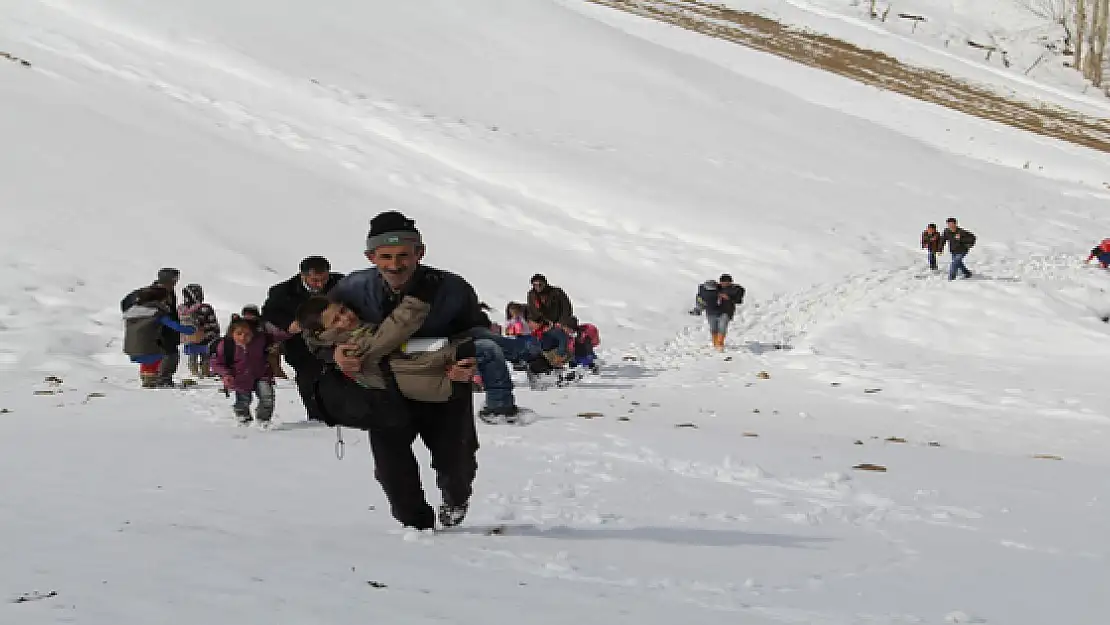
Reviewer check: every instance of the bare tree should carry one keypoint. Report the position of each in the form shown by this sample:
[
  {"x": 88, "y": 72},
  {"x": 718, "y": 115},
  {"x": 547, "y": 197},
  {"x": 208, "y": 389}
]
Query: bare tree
[
  {"x": 1097, "y": 52},
  {"x": 1080, "y": 31},
  {"x": 1086, "y": 24}
]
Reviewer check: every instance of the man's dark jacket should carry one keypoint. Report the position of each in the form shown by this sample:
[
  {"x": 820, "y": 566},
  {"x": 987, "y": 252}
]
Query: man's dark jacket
[
  {"x": 455, "y": 309},
  {"x": 552, "y": 304},
  {"x": 959, "y": 242},
  {"x": 280, "y": 309}
]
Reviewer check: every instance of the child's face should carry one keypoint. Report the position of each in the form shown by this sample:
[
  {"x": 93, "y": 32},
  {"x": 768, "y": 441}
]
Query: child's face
[
  {"x": 242, "y": 336},
  {"x": 339, "y": 317}
]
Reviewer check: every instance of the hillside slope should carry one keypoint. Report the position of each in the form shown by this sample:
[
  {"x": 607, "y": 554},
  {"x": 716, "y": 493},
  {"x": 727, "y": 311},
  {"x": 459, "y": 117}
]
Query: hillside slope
[{"x": 627, "y": 161}]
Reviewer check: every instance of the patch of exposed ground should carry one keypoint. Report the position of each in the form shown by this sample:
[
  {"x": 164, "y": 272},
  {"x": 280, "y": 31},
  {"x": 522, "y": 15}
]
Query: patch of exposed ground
[{"x": 872, "y": 67}]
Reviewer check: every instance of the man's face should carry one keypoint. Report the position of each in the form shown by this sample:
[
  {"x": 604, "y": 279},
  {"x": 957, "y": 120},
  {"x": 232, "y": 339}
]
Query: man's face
[
  {"x": 952, "y": 226},
  {"x": 339, "y": 317},
  {"x": 315, "y": 280},
  {"x": 725, "y": 283},
  {"x": 538, "y": 286},
  {"x": 396, "y": 263},
  {"x": 931, "y": 229}
]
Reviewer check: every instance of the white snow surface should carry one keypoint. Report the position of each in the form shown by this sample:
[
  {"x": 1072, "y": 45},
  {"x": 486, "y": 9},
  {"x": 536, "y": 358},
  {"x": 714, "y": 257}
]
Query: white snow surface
[
  {"x": 628, "y": 161},
  {"x": 949, "y": 35}
]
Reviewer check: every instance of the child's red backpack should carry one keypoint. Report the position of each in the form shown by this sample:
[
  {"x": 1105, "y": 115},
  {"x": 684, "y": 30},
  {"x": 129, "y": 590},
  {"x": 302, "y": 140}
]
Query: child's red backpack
[{"x": 588, "y": 331}]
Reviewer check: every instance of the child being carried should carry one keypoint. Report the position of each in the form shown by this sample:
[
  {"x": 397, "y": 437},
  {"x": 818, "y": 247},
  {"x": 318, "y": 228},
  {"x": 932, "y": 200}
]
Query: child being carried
[{"x": 421, "y": 375}]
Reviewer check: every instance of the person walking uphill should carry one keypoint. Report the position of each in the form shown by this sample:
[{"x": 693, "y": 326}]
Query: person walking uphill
[
  {"x": 395, "y": 247},
  {"x": 720, "y": 306},
  {"x": 145, "y": 323},
  {"x": 169, "y": 339},
  {"x": 280, "y": 309},
  {"x": 959, "y": 242},
  {"x": 933, "y": 243}
]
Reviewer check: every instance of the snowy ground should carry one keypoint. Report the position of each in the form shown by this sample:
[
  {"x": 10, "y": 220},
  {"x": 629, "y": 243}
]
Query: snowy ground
[{"x": 628, "y": 161}]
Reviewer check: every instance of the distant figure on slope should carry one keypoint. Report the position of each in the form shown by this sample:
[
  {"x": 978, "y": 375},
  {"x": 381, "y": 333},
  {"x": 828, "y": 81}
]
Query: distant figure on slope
[
  {"x": 720, "y": 306},
  {"x": 709, "y": 286},
  {"x": 170, "y": 339},
  {"x": 959, "y": 242},
  {"x": 933, "y": 243},
  {"x": 1102, "y": 253},
  {"x": 548, "y": 302},
  {"x": 193, "y": 311},
  {"x": 241, "y": 360},
  {"x": 146, "y": 321}
]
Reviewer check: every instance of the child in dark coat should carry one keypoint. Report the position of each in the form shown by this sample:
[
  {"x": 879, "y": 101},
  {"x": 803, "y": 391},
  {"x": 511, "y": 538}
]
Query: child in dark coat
[
  {"x": 243, "y": 364},
  {"x": 932, "y": 241},
  {"x": 143, "y": 338}
]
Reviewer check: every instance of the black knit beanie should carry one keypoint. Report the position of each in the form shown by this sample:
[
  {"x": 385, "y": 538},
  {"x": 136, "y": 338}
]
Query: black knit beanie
[
  {"x": 168, "y": 276},
  {"x": 391, "y": 228}
]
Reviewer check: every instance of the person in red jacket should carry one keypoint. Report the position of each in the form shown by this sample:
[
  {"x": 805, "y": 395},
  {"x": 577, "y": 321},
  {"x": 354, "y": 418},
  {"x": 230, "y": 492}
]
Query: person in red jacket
[
  {"x": 586, "y": 337},
  {"x": 1102, "y": 253}
]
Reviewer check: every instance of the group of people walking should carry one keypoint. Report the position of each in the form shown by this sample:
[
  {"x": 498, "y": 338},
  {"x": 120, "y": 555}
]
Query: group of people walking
[
  {"x": 959, "y": 242},
  {"x": 394, "y": 349}
]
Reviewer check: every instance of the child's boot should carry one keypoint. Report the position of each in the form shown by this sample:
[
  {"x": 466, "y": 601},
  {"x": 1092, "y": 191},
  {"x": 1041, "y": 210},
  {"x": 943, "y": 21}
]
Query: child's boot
[{"x": 148, "y": 374}]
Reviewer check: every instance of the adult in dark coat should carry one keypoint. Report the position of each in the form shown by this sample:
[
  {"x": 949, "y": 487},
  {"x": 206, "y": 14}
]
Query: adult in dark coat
[
  {"x": 395, "y": 247},
  {"x": 959, "y": 242},
  {"x": 548, "y": 302},
  {"x": 280, "y": 309},
  {"x": 720, "y": 300},
  {"x": 169, "y": 339}
]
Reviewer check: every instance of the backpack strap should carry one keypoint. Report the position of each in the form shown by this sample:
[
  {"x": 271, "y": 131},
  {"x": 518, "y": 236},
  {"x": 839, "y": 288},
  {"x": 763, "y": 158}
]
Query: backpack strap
[{"x": 229, "y": 353}]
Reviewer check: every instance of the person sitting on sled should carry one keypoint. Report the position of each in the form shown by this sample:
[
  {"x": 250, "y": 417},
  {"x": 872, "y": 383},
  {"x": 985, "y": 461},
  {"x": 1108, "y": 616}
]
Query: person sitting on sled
[
  {"x": 586, "y": 338},
  {"x": 553, "y": 343}
]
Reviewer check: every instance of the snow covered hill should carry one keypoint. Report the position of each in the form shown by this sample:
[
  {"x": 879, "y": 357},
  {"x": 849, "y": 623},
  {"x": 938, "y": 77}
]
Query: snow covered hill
[
  {"x": 1017, "y": 45},
  {"x": 628, "y": 161}
]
